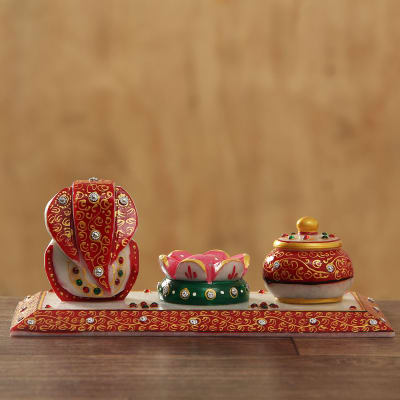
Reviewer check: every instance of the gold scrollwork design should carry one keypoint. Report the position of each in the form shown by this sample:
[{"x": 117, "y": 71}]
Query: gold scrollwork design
[{"x": 308, "y": 265}]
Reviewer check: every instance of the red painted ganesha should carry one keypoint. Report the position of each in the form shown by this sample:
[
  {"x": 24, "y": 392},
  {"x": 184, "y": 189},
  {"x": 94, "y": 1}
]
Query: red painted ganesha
[
  {"x": 308, "y": 267},
  {"x": 91, "y": 255}
]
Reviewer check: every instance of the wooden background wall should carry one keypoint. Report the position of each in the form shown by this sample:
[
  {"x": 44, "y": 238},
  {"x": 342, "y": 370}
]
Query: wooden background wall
[{"x": 225, "y": 120}]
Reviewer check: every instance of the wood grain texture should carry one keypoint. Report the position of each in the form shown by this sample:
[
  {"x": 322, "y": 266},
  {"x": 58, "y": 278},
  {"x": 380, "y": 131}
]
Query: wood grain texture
[
  {"x": 349, "y": 347},
  {"x": 226, "y": 120},
  {"x": 189, "y": 367}
]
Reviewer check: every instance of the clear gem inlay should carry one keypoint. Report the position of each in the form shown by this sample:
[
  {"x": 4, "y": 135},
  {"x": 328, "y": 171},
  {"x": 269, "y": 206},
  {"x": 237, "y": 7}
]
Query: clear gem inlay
[
  {"x": 123, "y": 200},
  {"x": 98, "y": 272},
  {"x": 93, "y": 197},
  {"x": 330, "y": 268},
  {"x": 95, "y": 235},
  {"x": 184, "y": 294},
  {"x": 63, "y": 200}
]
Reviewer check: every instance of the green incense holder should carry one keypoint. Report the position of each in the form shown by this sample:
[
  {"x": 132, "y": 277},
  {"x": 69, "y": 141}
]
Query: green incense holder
[{"x": 202, "y": 293}]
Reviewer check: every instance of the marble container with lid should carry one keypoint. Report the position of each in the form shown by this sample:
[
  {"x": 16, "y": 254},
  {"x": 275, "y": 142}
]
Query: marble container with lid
[{"x": 308, "y": 267}]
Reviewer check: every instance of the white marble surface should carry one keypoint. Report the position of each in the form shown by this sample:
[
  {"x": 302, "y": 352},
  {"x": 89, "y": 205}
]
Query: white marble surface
[{"x": 52, "y": 300}]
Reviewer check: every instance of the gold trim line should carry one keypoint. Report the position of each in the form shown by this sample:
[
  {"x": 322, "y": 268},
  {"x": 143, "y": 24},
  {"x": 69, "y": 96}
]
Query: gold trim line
[
  {"x": 308, "y": 246},
  {"x": 41, "y": 299},
  {"x": 289, "y": 300}
]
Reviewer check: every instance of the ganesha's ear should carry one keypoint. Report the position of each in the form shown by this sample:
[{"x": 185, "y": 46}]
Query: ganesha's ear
[
  {"x": 126, "y": 220},
  {"x": 59, "y": 222}
]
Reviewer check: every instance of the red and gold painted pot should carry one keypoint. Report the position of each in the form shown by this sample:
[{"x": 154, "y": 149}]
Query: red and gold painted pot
[
  {"x": 308, "y": 267},
  {"x": 91, "y": 255}
]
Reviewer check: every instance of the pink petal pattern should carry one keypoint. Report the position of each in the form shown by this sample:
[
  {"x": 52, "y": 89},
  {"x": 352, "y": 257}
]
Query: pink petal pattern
[{"x": 213, "y": 265}]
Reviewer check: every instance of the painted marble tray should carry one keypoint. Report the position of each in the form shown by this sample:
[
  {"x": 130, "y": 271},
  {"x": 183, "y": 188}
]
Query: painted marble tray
[{"x": 142, "y": 313}]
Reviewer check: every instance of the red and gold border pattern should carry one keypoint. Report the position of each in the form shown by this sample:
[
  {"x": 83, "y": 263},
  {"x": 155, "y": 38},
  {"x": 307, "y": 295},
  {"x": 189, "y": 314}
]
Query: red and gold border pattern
[
  {"x": 60, "y": 223},
  {"x": 91, "y": 217},
  {"x": 28, "y": 306},
  {"x": 125, "y": 222},
  {"x": 307, "y": 266},
  {"x": 203, "y": 321}
]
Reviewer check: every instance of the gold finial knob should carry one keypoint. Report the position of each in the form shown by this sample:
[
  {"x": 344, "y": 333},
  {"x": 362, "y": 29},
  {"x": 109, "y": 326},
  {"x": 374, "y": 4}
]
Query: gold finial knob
[{"x": 307, "y": 224}]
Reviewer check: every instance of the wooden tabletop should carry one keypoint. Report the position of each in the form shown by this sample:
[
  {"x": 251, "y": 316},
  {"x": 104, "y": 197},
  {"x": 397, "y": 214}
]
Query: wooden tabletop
[{"x": 199, "y": 368}]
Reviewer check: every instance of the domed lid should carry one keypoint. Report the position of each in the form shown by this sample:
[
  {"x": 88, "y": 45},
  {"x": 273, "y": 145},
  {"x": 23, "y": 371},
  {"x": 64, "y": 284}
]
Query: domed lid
[{"x": 308, "y": 237}]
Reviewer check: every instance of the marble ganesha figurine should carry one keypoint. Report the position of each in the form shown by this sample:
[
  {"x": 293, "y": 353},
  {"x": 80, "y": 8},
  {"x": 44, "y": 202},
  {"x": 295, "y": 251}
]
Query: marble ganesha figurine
[{"x": 91, "y": 255}]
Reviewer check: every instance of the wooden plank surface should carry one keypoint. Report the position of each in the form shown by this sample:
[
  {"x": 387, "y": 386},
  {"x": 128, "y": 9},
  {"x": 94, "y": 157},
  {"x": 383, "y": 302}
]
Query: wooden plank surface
[
  {"x": 349, "y": 347},
  {"x": 198, "y": 368}
]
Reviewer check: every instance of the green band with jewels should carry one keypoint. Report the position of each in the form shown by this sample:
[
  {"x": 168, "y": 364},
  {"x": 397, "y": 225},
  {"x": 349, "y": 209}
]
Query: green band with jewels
[{"x": 201, "y": 293}]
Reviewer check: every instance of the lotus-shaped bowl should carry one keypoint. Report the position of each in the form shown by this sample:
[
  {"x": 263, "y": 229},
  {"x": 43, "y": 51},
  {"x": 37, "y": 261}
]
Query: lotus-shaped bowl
[{"x": 210, "y": 278}]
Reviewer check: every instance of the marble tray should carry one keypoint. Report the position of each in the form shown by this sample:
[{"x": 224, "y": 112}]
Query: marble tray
[{"x": 142, "y": 313}]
